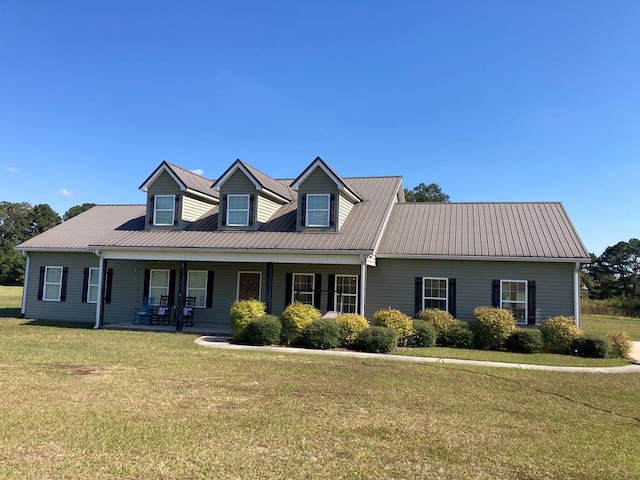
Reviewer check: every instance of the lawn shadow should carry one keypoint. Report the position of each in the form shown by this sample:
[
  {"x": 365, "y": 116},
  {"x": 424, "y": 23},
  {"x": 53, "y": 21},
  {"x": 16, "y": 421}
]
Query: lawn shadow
[
  {"x": 58, "y": 324},
  {"x": 10, "y": 312}
]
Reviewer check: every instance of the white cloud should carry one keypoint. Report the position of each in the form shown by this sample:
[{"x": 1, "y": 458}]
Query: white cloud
[
  {"x": 65, "y": 192},
  {"x": 197, "y": 171},
  {"x": 12, "y": 169}
]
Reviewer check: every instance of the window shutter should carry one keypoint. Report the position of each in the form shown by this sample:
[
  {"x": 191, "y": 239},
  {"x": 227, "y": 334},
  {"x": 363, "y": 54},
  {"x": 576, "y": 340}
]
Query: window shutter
[
  {"x": 531, "y": 302},
  {"x": 252, "y": 213},
  {"x": 63, "y": 291},
  {"x": 151, "y": 205},
  {"x": 332, "y": 210},
  {"x": 223, "y": 211},
  {"x": 176, "y": 212},
  {"x": 172, "y": 287},
  {"x": 317, "y": 291},
  {"x": 331, "y": 296},
  {"x": 495, "y": 293},
  {"x": 452, "y": 296},
  {"x": 288, "y": 289},
  {"x": 147, "y": 279},
  {"x": 41, "y": 283},
  {"x": 303, "y": 210},
  {"x": 209, "y": 289},
  {"x": 85, "y": 284},
  {"x": 109, "y": 286},
  {"x": 418, "y": 294}
]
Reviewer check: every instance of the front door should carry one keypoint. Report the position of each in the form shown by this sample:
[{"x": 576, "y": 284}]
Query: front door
[{"x": 249, "y": 285}]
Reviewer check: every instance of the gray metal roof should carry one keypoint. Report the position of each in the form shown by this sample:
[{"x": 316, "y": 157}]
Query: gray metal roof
[
  {"x": 518, "y": 230},
  {"x": 193, "y": 181},
  {"x": 269, "y": 183}
]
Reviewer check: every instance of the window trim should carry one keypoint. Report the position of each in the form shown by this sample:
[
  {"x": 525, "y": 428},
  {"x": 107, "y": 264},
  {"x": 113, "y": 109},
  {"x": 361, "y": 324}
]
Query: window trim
[
  {"x": 336, "y": 297},
  {"x": 327, "y": 210},
  {"x": 156, "y": 300},
  {"x": 156, "y": 210},
  {"x": 94, "y": 285},
  {"x": 425, "y": 298},
  {"x": 525, "y": 302},
  {"x": 46, "y": 284},
  {"x": 313, "y": 287},
  {"x": 229, "y": 210},
  {"x": 205, "y": 289}
]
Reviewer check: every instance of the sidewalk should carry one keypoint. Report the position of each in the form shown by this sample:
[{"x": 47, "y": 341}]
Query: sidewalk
[{"x": 223, "y": 343}]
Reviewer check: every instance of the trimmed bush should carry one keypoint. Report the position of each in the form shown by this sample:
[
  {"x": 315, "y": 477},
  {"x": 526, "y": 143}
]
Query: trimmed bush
[
  {"x": 397, "y": 321},
  {"x": 492, "y": 327},
  {"x": 590, "y": 347},
  {"x": 323, "y": 333},
  {"x": 351, "y": 324},
  {"x": 441, "y": 319},
  {"x": 376, "y": 339},
  {"x": 264, "y": 330},
  {"x": 242, "y": 312},
  {"x": 295, "y": 317},
  {"x": 458, "y": 335},
  {"x": 620, "y": 344},
  {"x": 524, "y": 340},
  {"x": 424, "y": 334},
  {"x": 559, "y": 333}
]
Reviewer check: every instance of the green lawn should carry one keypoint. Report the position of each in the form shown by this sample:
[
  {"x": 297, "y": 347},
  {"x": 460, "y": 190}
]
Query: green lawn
[
  {"x": 600, "y": 325},
  {"x": 10, "y": 301},
  {"x": 81, "y": 403}
]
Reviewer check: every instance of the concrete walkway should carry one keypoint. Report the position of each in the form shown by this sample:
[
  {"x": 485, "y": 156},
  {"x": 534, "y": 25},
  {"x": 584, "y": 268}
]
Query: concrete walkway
[{"x": 223, "y": 343}]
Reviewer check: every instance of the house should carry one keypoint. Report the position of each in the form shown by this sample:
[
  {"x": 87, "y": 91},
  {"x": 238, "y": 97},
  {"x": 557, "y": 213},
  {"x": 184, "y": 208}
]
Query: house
[{"x": 341, "y": 244}]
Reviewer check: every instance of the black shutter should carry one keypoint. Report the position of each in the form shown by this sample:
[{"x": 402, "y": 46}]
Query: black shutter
[
  {"x": 147, "y": 279},
  {"x": 495, "y": 293},
  {"x": 317, "y": 291},
  {"x": 418, "y": 294},
  {"x": 63, "y": 290},
  {"x": 332, "y": 210},
  {"x": 331, "y": 296},
  {"x": 303, "y": 210},
  {"x": 109, "y": 286},
  {"x": 223, "y": 211},
  {"x": 252, "y": 201},
  {"x": 151, "y": 204},
  {"x": 209, "y": 289},
  {"x": 85, "y": 284},
  {"x": 172, "y": 288},
  {"x": 288, "y": 289},
  {"x": 531, "y": 302},
  {"x": 176, "y": 212},
  {"x": 452, "y": 296},
  {"x": 41, "y": 283}
]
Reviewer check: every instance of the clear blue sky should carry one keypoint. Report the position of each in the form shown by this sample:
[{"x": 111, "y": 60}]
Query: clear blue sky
[{"x": 493, "y": 100}]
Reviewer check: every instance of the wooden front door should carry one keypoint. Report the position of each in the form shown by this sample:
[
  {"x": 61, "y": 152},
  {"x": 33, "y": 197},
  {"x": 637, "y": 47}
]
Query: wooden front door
[{"x": 249, "y": 284}]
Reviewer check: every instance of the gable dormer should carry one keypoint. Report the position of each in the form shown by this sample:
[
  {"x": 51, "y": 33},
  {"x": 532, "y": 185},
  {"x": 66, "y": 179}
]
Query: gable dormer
[
  {"x": 176, "y": 197},
  {"x": 324, "y": 198},
  {"x": 248, "y": 197}
]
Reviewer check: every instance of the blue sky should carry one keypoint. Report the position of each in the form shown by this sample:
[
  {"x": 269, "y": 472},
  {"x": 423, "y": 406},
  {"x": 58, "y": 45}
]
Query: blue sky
[{"x": 492, "y": 100}]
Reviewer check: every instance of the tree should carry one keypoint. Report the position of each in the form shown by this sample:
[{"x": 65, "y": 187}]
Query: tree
[
  {"x": 426, "y": 193},
  {"x": 77, "y": 210},
  {"x": 615, "y": 273}
]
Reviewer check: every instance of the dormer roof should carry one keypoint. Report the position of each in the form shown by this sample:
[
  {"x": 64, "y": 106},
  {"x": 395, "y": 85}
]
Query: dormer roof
[
  {"x": 263, "y": 183},
  {"x": 186, "y": 180},
  {"x": 342, "y": 185}
]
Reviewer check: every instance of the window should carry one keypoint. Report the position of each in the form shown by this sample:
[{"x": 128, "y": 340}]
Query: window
[
  {"x": 435, "y": 293},
  {"x": 346, "y": 293},
  {"x": 92, "y": 285},
  {"x": 197, "y": 286},
  {"x": 158, "y": 284},
  {"x": 52, "y": 284},
  {"x": 303, "y": 288},
  {"x": 163, "y": 209},
  {"x": 513, "y": 297},
  {"x": 237, "y": 210},
  {"x": 317, "y": 210}
]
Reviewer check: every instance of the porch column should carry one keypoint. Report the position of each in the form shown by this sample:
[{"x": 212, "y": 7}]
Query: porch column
[
  {"x": 101, "y": 286},
  {"x": 269, "y": 290},
  {"x": 363, "y": 286},
  {"x": 182, "y": 293},
  {"x": 25, "y": 285}
]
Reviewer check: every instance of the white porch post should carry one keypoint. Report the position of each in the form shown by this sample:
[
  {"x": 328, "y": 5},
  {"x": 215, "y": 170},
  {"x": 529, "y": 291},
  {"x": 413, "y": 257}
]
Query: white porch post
[
  {"x": 25, "y": 285},
  {"x": 576, "y": 293},
  {"x": 100, "y": 299},
  {"x": 363, "y": 285}
]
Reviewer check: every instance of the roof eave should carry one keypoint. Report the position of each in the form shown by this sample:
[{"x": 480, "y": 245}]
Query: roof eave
[{"x": 486, "y": 258}]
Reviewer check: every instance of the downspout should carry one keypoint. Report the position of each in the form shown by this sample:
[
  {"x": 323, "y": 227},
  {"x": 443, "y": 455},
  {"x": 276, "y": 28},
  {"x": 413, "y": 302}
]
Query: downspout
[
  {"x": 25, "y": 284},
  {"x": 363, "y": 284},
  {"x": 101, "y": 293},
  {"x": 576, "y": 294}
]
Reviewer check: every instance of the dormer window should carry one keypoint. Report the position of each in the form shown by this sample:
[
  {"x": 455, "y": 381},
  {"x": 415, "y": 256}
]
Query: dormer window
[
  {"x": 164, "y": 209},
  {"x": 317, "y": 214},
  {"x": 237, "y": 210}
]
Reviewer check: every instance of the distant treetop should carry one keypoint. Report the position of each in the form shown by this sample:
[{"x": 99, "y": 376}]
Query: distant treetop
[{"x": 425, "y": 193}]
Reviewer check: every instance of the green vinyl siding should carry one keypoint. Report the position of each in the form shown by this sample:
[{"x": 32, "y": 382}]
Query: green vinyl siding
[
  {"x": 317, "y": 182},
  {"x": 164, "y": 185}
]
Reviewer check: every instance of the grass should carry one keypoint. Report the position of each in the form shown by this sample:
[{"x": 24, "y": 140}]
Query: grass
[
  {"x": 600, "y": 325},
  {"x": 10, "y": 301},
  {"x": 79, "y": 403}
]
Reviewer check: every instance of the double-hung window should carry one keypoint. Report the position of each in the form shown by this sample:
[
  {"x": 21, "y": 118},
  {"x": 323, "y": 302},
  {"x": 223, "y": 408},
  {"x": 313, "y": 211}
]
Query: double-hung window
[
  {"x": 164, "y": 209},
  {"x": 303, "y": 288},
  {"x": 317, "y": 214},
  {"x": 158, "y": 284},
  {"x": 197, "y": 286},
  {"x": 346, "y": 293},
  {"x": 435, "y": 293},
  {"x": 52, "y": 284},
  {"x": 513, "y": 297},
  {"x": 237, "y": 210},
  {"x": 92, "y": 285}
]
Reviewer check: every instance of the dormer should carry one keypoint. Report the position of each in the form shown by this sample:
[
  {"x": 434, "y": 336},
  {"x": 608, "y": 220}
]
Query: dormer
[
  {"x": 324, "y": 198},
  {"x": 176, "y": 197},
  {"x": 248, "y": 197}
]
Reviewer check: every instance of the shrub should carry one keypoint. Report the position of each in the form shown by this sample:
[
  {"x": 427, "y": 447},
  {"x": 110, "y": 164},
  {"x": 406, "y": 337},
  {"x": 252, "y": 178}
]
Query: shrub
[
  {"x": 351, "y": 324},
  {"x": 424, "y": 334},
  {"x": 591, "y": 347},
  {"x": 492, "y": 326},
  {"x": 242, "y": 312},
  {"x": 458, "y": 335},
  {"x": 295, "y": 317},
  {"x": 558, "y": 333},
  {"x": 377, "y": 339},
  {"x": 323, "y": 333},
  {"x": 264, "y": 330},
  {"x": 620, "y": 344},
  {"x": 397, "y": 321},
  {"x": 441, "y": 319},
  {"x": 524, "y": 340}
]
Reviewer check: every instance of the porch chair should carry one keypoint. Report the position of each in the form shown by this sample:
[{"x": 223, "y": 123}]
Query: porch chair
[
  {"x": 143, "y": 314},
  {"x": 188, "y": 310},
  {"x": 163, "y": 313}
]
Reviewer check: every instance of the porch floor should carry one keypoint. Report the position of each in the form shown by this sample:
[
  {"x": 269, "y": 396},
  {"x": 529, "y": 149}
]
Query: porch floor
[{"x": 203, "y": 329}]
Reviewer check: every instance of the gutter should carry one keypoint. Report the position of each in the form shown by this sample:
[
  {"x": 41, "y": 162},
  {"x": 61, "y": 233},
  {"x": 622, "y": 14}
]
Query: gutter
[{"x": 487, "y": 258}]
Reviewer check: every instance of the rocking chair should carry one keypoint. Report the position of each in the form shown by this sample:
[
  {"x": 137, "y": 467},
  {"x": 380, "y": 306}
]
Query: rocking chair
[{"x": 143, "y": 314}]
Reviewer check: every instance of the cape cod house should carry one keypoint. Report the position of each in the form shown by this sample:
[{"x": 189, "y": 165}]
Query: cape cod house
[{"x": 341, "y": 244}]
